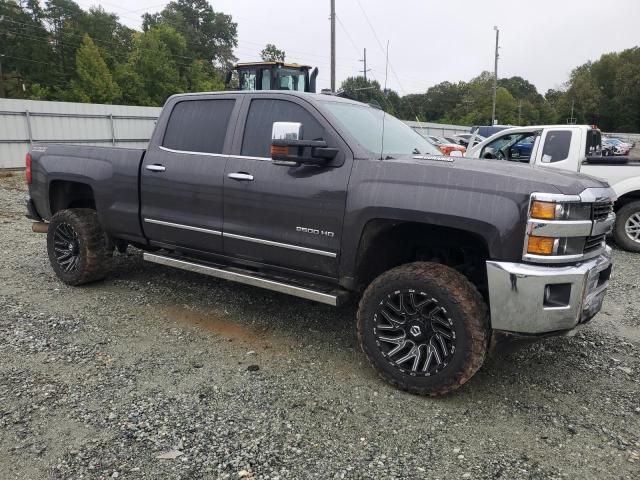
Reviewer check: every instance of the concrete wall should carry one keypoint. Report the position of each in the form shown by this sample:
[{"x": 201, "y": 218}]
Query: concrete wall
[{"x": 24, "y": 122}]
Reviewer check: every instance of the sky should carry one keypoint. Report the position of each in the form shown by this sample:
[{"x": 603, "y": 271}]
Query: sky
[{"x": 430, "y": 41}]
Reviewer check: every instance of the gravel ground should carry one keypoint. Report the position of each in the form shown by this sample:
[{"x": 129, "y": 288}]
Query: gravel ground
[{"x": 158, "y": 373}]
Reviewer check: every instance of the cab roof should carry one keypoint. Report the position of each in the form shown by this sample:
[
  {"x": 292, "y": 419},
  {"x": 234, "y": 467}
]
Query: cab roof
[{"x": 280, "y": 64}]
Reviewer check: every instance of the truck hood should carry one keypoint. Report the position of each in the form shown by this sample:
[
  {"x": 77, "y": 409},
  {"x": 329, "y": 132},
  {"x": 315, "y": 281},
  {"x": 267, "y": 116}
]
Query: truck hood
[{"x": 547, "y": 179}]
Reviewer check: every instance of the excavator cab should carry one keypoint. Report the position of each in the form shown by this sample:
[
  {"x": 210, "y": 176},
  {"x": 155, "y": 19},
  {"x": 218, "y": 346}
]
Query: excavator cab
[{"x": 275, "y": 76}]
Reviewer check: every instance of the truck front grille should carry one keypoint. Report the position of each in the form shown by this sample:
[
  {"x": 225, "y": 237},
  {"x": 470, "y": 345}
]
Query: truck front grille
[
  {"x": 601, "y": 210},
  {"x": 593, "y": 243}
]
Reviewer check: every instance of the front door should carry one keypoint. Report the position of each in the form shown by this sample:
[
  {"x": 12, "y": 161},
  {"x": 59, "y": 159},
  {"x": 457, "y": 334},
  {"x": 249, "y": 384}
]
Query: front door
[
  {"x": 182, "y": 175},
  {"x": 278, "y": 215}
]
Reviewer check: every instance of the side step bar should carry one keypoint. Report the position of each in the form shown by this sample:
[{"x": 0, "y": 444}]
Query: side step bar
[{"x": 329, "y": 297}]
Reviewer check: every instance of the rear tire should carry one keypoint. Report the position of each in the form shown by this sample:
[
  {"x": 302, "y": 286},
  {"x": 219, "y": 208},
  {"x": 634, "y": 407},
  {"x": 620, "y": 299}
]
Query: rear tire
[
  {"x": 627, "y": 228},
  {"x": 424, "y": 328},
  {"x": 78, "y": 248}
]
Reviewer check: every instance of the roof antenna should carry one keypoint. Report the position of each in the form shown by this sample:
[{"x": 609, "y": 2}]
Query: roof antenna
[{"x": 384, "y": 92}]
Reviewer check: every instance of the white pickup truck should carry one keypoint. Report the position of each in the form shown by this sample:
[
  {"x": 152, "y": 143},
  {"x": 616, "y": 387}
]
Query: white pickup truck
[{"x": 577, "y": 148}]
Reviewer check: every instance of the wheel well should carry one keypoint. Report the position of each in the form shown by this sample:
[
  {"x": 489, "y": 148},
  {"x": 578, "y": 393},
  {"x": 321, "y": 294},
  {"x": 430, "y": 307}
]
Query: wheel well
[
  {"x": 65, "y": 194},
  {"x": 386, "y": 244},
  {"x": 627, "y": 198}
]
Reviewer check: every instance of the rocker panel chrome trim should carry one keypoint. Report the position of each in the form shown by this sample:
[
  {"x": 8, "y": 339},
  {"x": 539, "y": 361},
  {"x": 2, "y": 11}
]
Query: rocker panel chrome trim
[{"x": 294, "y": 290}]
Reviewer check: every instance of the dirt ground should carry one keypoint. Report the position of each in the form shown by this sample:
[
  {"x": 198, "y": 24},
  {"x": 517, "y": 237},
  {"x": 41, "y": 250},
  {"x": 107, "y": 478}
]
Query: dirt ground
[{"x": 158, "y": 373}]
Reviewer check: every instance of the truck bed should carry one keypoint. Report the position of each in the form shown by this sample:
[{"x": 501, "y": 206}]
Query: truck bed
[{"x": 111, "y": 172}]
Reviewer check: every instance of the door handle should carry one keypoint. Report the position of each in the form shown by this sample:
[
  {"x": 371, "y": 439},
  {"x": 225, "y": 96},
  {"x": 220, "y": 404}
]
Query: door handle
[
  {"x": 155, "y": 168},
  {"x": 241, "y": 176}
]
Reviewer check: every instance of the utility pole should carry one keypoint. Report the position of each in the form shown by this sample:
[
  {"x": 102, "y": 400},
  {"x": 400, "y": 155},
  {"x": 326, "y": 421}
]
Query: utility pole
[
  {"x": 333, "y": 45},
  {"x": 364, "y": 59},
  {"x": 519, "y": 111},
  {"x": 1, "y": 77},
  {"x": 572, "y": 120},
  {"x": 495, "y": 78}
]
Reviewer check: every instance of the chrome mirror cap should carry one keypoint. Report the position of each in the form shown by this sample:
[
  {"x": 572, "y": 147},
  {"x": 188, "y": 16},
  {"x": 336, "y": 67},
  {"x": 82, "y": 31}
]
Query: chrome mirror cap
[{"x": 286, "y": 131}]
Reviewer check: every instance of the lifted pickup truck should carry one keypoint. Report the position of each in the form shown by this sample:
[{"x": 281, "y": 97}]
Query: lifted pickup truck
[
  {"x": 326, "y": 198},
  {"x": 577, "y": 148}
]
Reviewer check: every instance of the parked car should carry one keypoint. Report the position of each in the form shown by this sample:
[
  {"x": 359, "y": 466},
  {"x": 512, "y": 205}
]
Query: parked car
[
  {"x": 292, "y": 192},
  {"x": 576, "y": 148},
  {"x": 629, "y": 141},
  {"x": 445, "y": 146},
  {"x": 617, "y": 146},
  {"x": 452, "y": 140},
  {"x": 464, "y": 138},
  {"x": 487, "y": 130}
]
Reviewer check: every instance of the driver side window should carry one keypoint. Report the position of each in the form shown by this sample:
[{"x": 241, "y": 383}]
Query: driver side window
[{"x": 515, "y": 147}]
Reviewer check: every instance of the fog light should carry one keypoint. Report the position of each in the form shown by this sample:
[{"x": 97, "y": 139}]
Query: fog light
[{"x": 557, "y": 295}]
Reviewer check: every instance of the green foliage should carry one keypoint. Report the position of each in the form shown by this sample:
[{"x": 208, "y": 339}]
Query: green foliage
[
  {"x": 210, "y": 35},
  {"x": 58, "y": 51},
  {"x": 271, "y": 53},
  {"x": 24, "y": 42},
  {"x": 94, "y": 82},
  {"x": 152, "y": 73},
  {"x": 606, "y": 92},
  {"x": 61, "y": 52},
  {"x": 369, "y": 91}
]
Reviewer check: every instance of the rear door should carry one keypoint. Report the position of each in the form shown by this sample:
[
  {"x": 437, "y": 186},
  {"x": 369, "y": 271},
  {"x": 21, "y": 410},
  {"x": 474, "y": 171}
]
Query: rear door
[
  {"x": 182, "y": 173},
  {"x": 562, "y": 147},
  {"x": 284, "y": 216}
]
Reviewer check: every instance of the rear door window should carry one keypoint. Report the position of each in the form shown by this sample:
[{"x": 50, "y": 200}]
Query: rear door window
[
  {"x": 256, "y": 141},
  {"x": 556, "y": 146},
  {"x": 199, "y": 125}
]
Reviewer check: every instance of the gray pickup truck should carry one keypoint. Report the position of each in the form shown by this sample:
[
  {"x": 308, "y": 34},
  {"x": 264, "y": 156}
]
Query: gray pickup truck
[{"x": 325, "y": 198}]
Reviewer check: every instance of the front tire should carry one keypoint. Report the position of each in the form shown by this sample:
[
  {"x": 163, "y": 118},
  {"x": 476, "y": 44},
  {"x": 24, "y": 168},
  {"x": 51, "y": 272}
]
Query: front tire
[
  {"x": 77, "y": 246},
  {"x": 627, "y": 228},
  {"x": 424, "y": 328}
]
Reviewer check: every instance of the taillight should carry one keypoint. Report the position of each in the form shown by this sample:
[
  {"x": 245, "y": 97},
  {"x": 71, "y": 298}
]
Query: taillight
[{"x": 27, "y": 162}]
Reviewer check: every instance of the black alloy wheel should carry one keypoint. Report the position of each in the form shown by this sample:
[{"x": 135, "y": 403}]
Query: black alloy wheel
[
  {"x": 424, "y": 328},
  {"x": 414, "y": 332},
  {"x": 66, "y": 247},
  {"x": 79, "y": 250}
]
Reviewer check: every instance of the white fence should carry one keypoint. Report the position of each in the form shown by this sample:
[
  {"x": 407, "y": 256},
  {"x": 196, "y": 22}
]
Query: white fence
[
  {"x": 437, "y": 129},
  {"x": 24, "y": 122}
]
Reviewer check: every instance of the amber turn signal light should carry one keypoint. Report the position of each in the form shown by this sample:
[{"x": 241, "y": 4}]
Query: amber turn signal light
[
  {"x": 278, "y": 150},
  {"x": 540, "y": 245},
  {"x": 543, "y": 210}
]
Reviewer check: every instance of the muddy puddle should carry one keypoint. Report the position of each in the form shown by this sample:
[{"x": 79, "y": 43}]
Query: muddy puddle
[{"x": 225, "y": 326}]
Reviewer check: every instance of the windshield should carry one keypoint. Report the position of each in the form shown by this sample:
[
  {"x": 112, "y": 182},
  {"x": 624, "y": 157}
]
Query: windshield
[{"x": 364, "y": 123}]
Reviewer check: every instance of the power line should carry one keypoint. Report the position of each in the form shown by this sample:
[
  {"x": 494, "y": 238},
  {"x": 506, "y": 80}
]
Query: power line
[{"x": 375, "y": 34}]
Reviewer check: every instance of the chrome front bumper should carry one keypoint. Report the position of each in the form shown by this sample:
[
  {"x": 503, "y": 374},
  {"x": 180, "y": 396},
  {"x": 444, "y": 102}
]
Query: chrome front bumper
[{"x": 518, "y": 300}]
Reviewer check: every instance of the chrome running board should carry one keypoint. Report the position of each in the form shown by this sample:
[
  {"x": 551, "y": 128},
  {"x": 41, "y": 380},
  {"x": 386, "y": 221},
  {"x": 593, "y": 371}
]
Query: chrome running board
[{"x": 330, "y": 297}]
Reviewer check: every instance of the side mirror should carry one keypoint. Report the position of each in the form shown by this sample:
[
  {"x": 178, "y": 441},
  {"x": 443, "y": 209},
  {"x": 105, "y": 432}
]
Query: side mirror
[{"x": 288, "y": 147}]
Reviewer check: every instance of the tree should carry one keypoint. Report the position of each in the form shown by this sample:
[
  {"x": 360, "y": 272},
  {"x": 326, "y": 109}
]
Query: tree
[
  {"x": 209, "y": 35},
  {"x": 202, "y": 78},
  {"x": 369, "y": 91},
  {"x": 24, "y": 42},
  {"x": 152, "y": 73},
  {"x": 271, "y": 53},
  {"x": 65, "y": 19},
  {"x": 93, "y": 82},
  {"x": 114, "y": 40}
]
